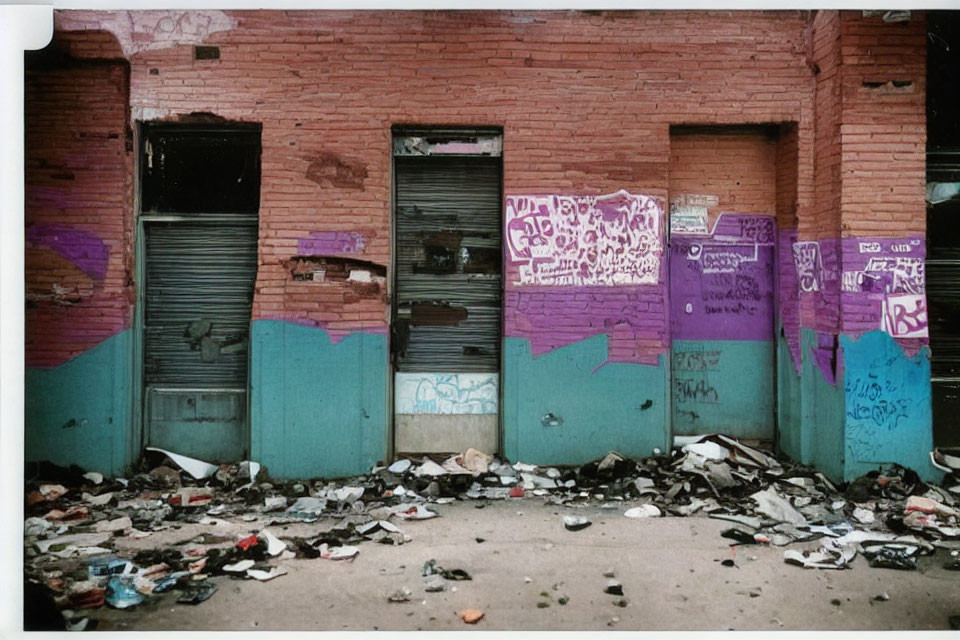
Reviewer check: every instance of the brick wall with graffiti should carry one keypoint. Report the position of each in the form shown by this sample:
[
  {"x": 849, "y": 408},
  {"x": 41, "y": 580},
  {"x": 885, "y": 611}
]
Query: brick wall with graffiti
[
  {"x": 79, "y": 241},
  {"x": 579, "y": 266}
]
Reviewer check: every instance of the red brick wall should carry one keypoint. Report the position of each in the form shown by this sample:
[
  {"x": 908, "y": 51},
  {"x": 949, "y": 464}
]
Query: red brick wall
[
  {"x": 883, "y": 130},
  {"x": 585, "y": 100},
  {"x": 739, "y": 168},
  {"x": 78, "y": 209}
]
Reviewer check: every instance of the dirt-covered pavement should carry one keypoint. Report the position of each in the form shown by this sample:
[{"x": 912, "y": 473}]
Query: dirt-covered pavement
[
  {"x": 713, "y": 535},
  {"x": 670, "y": 570}
]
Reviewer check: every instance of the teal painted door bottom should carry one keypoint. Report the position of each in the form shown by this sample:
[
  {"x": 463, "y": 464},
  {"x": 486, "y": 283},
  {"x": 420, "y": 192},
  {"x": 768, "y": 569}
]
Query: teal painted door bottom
[
  {"x": 724, "y": 386},
  {"x": 209, "y": 424}
]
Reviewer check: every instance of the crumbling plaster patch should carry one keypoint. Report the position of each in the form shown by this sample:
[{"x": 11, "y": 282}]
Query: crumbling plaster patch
[{"x": 148, "y": 30}]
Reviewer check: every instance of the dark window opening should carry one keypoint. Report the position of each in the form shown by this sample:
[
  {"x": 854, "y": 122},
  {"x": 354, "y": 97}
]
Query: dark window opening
[{"x": 201, "y": 169}]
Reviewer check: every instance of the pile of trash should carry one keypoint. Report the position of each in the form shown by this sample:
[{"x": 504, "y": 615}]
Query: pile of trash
[{"x": 74, "y": 519}]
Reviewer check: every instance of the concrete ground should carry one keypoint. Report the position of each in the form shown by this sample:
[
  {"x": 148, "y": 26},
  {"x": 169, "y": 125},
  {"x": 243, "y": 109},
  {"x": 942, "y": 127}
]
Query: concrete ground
[{"x": 670, "y": 569}]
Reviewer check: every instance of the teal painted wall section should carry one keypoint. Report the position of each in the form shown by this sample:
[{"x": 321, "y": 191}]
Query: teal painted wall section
[
  {"x": 822, "y": 407},
  {"x": 317, "y": 409},
  {"x": 789, "y": 414},
  {"x": 596, "y": 411},
  {"x": 80, "y": 412},
  {"x": 723, "y": 386},
  {"x": 888, "y": 411}
]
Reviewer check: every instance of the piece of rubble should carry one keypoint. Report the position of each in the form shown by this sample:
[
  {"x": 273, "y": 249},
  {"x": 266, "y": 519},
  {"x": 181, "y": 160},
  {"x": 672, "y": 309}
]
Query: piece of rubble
[
  {"x": 892, "y": 556},
  {"x": 121, "y": 593},
  {"x": 434, "y": 584},
  {"x": 770, "y": 504},
  {"x": 400, "y": 595},
  {"x": 98, "y": 500},
  {"x": 429, "y": 468},
  {"x": 707, "y": 450},
  {"x": 263, "y": 576},
  {"x": 471, "y": 616},
  {"x": 643, "y": 511},
  {"x": 73, "y": 539},
  {"x": 614, "y": 588},
  {"x": 117, "y": 524},
  {"x": 274, "y": 503},
  {"x": 416, "y": 512},
  {"x": 575, "y": 523},
  {"x": 929, "y": 506},
  {"x": 94, "y": 477},
  {"x": 274, "y": 545},
  {"x": 307, "y": 507},
  {"x": 197, "y": 594},
  {"x": 400, "y": 466},
  {"x": 864, "y": 516},
  {"x": 476, "y": 461}
]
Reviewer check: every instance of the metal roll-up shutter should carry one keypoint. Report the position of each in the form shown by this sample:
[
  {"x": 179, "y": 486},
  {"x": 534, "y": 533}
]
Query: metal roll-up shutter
[
  {"x": 199, "y": 293},
  {"x": 943, "y": 299},
  {"x": 448, "y": 263}
]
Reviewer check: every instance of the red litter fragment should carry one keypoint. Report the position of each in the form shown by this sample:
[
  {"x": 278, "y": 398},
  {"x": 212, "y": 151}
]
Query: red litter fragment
[
  {"x": 759, "y": 537},
  {"x": 516, "y": 492},
  {"x": 246, "y": 543}
]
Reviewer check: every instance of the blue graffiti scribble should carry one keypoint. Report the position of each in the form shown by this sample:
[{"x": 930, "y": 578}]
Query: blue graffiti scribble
[{"x": 445, "y": 394}]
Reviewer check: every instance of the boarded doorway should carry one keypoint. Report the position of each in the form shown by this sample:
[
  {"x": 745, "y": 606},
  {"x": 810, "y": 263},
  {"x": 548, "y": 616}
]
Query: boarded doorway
[
  {"x": 722, "y": 241},
  {"x": 200, "y": 197},
  {"x": 448, "y": 292}
]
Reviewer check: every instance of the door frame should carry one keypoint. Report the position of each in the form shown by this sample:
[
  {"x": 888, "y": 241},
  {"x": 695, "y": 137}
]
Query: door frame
[
  {"x": 397, "y": 130},
  {"x": 139, "y": 397}
]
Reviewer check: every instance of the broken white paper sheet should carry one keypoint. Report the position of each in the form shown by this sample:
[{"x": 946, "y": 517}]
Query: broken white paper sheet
[{"x": 196, "y": 468}]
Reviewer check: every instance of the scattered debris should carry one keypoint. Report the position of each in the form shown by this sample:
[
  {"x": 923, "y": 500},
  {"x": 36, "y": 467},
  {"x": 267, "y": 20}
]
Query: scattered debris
[
  {"x": 575, "y": 523},
  {"x": 888, "y": 515},
  {"x": 400, "y": 595},
  {"x": 471, "y": 616},
  {"x": 614, "y": 588}
]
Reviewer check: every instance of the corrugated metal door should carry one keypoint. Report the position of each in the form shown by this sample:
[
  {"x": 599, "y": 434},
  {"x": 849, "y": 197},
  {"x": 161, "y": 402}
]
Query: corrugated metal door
[
  {"x": 199, "y": 292},
  {"x": 446, "y": 331},
  {"x": 943, "y": 299},
  {"x": 200, "y": 193}
]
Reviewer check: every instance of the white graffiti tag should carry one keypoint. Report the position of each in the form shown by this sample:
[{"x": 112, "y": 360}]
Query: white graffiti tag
[
  {"x": 905, "y": 316},
  {"x": 585, "y": 240},
  {"x": 806, "y": 257},
  {"x": 891, "y": 274}
]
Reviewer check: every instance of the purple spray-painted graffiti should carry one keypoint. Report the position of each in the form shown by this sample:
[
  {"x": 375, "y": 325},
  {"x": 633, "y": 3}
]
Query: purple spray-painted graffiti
[
  {"x": 722, "y": 284},
  {"x": 82, "y": 248},
  {"x": 324, "y": 243},
  {"x": 789, "y": 296},
  {"x": 585, "y": 240},
  {"x": 551, "y": 317},
  {"x": 881, "y": 285}
]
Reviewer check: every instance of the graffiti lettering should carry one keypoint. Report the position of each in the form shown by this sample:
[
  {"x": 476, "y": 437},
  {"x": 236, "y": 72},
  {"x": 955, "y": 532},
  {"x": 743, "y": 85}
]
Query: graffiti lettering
[
  {"x": 806, "y": 257},
  {"x": 726, "y": 258},
  {"x": 696, "y": 360},
  {"x": 870, "y": 247},
  {"x": 760, "y": 229},
  {"x": 905, "y": 316},
  {"x": 880, "y": 406},
  {"x": 588, "y": 240},
  {"x": 690, "y": 390},
  {"x": 448, "y": 394}
]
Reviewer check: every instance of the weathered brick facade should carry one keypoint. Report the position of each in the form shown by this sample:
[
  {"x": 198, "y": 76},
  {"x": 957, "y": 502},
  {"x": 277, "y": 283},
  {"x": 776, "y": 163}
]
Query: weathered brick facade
[{"x": 586, "y": 101}]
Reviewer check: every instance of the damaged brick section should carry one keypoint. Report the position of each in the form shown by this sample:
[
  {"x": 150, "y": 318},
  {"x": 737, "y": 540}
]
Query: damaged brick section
[
  {"x": 330, "y": 170},
  {"x": 366, "y": 279}
]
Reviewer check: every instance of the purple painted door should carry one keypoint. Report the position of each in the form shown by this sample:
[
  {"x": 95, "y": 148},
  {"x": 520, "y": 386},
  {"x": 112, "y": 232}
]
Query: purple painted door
[{"x": 722, "y": 328}]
